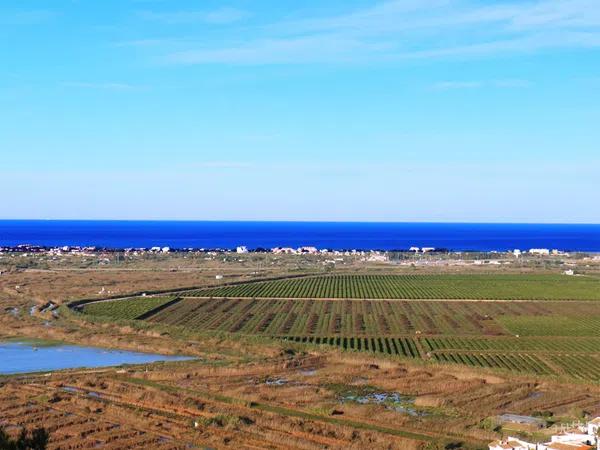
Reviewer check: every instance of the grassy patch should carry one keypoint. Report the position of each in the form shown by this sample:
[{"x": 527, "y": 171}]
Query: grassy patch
[
  {"x": 127, "y": 309},
  {"x": 588, "y": 325}
]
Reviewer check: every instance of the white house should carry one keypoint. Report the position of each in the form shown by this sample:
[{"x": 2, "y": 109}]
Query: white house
[
  {"x": 427, "y": 249},
  {"x": 512, "y": 443},
  {"x": 574, "y": 437},
  {"x": 566, "y": 446},
  {"x": 377, "y": 258},
  {"x": 242, "y": 249},
  {"x": 593, "y": 427},
  {"x": 309, "y": 250},
  {"x": 539, "y": 251},
  {"x": 414, "y": 249},
  {"x": 578, "y": 438},
  {"x": 286, "y": 250}
]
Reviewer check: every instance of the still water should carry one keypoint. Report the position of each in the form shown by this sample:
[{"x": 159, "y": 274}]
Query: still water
[{"x": 23, "y": 357}]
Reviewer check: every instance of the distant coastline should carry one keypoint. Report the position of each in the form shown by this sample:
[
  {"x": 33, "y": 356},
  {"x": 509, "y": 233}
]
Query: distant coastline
[{"x": 227, "y": 235}]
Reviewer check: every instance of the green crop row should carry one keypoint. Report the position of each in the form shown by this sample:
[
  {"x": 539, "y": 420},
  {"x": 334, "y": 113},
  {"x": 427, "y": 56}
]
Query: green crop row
[
  {"x": 130, "y": 308},
  {"x": 512, "y": 344},
  {"x": 580, "y": 366},
  {"x": 586, "y": 325},
  {"x": 402, "y": 346},
  {"x": 513, "y": 362},
  {"x": 380, "y": 318},
  {"x": 318, "y": 317},
  {"x": 583, "y": 367},
  {"x": 493, "y": 287}
]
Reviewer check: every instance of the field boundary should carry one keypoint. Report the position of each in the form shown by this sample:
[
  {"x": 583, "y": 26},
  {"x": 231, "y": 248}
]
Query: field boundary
[
  {"x": 441, "y": 287},
  {"x": 158, "y": 309},
  {"x": 335, "y": 299},
  {"x": 74, "y": 304}
]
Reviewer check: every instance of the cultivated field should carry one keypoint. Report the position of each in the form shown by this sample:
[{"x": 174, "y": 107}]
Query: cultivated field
[
  {"x": 133, "y": 308},
  {"x": 480, "y": 287},
  {"x": 556, "y": 338}
]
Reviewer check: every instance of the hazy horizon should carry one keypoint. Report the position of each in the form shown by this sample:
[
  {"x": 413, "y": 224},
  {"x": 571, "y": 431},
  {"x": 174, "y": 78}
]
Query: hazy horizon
[{"x": 457, "y": 222}]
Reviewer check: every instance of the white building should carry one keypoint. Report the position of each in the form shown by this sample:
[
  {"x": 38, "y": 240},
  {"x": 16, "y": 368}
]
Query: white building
[
  {"x": 593, "y": 427},
  {"x": 377, "y": 258},
  {"x": 286, "y": 250},
  {"x": 309, "y": 250},
  {"x": 427, "y": 249},
  {"x": 241, "y": 249},
  {"x": 578, "y": 438},
  {"x": 414, "y": 249},
  {"x": 512, "y": 443},
  {"x": 573, "y": 437},
  {"x": 539, "y": 251}
]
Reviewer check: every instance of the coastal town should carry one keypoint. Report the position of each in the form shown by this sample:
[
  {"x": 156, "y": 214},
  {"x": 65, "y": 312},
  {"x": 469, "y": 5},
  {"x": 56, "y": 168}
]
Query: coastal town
[
  {"x": 375, "y": 255},
  {"x": 567, "y": 262}
]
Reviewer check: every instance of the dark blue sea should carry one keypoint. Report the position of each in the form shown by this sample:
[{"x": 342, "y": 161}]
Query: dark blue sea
[{"x": 331, "y": 235}]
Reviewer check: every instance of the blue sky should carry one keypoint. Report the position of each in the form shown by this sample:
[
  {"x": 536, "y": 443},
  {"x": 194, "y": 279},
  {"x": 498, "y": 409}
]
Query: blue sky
[{"x": 398, "y": 110}]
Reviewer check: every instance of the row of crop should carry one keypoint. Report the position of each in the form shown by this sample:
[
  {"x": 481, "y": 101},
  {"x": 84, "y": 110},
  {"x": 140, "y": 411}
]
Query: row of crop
[
  {"x": 583, "y": 367},
  {"x": 540, "y": 344},
  {"x": 513, "y": 362},
  {"x": 391, "y": 346},
  {"x": 417, "y": 287},
  {"x": 310, "y": 317},
  {"x": 129, "y": 308},
  {"x": 372, "y": 318},
  {"x": 375, "y": 318},
  {"x": 559, "y": 325}
]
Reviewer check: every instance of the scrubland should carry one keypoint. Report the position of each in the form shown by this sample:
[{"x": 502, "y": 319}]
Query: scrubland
[{"x": 272, "y": 382}]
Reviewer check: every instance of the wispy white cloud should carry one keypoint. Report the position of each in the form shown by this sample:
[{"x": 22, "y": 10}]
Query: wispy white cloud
[
  {"x": 407, "y": 29},
  {"x": 219, "y": 16},
  {"x": 406, "y": 15},
  {"x": 280, "y": 51}
]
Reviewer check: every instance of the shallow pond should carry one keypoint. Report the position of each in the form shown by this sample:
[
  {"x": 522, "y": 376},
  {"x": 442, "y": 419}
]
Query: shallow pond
[
  {"x": 391, "y": 400},
  {"x": 31, "y": 356}
]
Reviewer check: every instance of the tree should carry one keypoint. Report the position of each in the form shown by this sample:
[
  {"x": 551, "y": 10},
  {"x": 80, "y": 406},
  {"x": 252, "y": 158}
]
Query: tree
[{"x": 37, "y": 440}]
